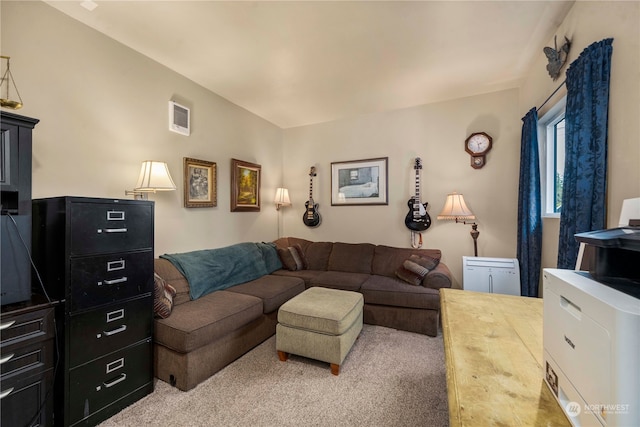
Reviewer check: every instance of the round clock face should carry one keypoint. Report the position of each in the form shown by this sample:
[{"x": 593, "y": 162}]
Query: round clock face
[{"x": 478, "y": 143}]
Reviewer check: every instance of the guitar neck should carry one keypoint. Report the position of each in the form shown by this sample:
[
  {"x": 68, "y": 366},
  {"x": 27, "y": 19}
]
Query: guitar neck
[{"x": 417, "y": 185}]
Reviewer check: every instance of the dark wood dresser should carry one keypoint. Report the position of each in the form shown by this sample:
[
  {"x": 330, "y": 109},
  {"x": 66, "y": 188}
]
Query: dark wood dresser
[
  {"x": 27, "y": 351},
  {"x": 97, "y": 256}
]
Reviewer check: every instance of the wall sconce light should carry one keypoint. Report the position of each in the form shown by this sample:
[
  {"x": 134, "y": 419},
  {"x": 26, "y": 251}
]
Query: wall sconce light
[
  {"x": 282, "y": 198},
  {"x": 154, "y": 176},
  {"x": 456, "y": 209}
]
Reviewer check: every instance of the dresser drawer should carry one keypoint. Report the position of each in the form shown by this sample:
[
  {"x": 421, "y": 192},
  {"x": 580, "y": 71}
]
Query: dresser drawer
[
  {"x": 26, "y": 328},
  {"x": 105, "y": 279},
  {"x": 26, "y": 360},
  {"x": 109, "y": 227},
  {"x": 110, "y": 328},
  {"x": 22, "y": 397},
  {"x": 101, "y": 382}
]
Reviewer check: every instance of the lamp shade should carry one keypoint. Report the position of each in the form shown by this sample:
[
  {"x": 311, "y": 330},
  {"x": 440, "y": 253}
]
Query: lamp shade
[
  {"x": 282, "y": 197},
  {"x": 455, "y": 208},
  {"x": 154, "y": 176},
  {"x": 630, "y": 210}
]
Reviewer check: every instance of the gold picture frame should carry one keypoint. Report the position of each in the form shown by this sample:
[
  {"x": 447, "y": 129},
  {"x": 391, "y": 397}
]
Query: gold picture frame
[
  {"x": 245, "y": 186},
  {"x": 200, "y": 183}
]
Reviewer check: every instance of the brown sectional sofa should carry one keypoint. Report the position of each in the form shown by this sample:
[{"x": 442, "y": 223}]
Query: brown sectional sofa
[
  {"x": 202, "y": 336},
  {"x": 371, "y": 270}
]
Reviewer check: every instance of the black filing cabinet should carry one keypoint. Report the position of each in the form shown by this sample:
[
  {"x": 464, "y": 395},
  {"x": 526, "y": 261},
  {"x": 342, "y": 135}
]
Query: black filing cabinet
[
  {"x": 97, "y": 256},
  {"x": 27, "y": 333}
]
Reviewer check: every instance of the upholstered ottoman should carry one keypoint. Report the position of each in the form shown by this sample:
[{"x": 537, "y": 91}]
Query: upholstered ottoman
[{"x": 320, "y": 324}]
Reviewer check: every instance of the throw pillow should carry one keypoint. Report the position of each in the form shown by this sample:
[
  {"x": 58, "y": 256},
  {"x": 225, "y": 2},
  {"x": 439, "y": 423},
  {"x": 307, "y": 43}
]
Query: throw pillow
[
  {"x": 414, "y": 269},
  {"x": 163, "y": 294},
  {"x": 293, "y": 258}
]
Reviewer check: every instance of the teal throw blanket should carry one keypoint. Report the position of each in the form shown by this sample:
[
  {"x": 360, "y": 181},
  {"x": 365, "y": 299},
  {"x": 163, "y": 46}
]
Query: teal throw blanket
[{"x": 210, "y": 270}]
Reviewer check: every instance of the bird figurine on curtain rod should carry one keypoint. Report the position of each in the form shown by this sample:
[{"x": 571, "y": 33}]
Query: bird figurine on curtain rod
[{"x": 557, "y": 57}]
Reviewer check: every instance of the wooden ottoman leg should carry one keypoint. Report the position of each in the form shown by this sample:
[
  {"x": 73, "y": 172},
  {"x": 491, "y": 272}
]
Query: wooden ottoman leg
[
  {"x": 283, "y": 356},
  {"x": 335, "y": 369}
]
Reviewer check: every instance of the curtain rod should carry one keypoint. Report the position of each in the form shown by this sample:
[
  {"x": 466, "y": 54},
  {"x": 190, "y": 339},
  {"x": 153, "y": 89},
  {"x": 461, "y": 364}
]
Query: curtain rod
[{"x": 551, "y": 96}]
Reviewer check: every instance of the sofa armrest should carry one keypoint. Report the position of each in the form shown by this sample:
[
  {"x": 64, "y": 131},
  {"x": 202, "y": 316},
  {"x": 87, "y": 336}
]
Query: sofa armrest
[{"x": 439, "y": 277}]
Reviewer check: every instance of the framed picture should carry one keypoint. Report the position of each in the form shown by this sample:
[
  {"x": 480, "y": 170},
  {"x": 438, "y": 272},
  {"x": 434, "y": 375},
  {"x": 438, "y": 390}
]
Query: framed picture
[
  {"x": 359, "y": 182},
  {"x": 200, "y": 184},
  {"x": 245, "y": 186}
]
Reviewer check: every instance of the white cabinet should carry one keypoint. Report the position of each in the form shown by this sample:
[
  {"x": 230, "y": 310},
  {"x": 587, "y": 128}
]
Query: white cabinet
[{"x": 494, "y": 275}]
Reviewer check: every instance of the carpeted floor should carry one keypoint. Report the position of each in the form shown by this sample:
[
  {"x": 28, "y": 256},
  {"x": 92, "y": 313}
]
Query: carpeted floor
[{"x": 390, "y": 378}]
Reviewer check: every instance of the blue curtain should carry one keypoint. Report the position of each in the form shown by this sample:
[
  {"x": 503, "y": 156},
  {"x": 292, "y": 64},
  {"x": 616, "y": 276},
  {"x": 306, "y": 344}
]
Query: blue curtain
[
  {"x": 585, "y": 170},
  {"x": 529, "y": 207}
]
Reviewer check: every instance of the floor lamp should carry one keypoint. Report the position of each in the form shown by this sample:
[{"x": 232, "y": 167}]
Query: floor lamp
[
  {"x": 281, "y": 199},
  {"x": 456, "y": 209}
]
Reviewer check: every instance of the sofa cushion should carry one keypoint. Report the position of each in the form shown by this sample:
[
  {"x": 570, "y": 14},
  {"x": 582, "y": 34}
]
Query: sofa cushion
[
  {"x": 414, "y": 269},
  {"x": 382, "y": 290},
  {"x": 317, "y": 254},
  {"x": 387, "y": 259},
  {"x": 292, "y": 258},
  {"x": 163, "y": 294},
  {"x": 439, "y": 277},
  {"x": 351, "y": 257},
  {"x": 306, "y": 275},
  {"x": 340, "y": 280},
  {"x": 173, "y": 277},
  {"x": 272, "y": 290},
  {"x": 206, "y": 319}
]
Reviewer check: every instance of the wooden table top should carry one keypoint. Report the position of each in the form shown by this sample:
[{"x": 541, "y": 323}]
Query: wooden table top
[{"x": 493, "y": 348}]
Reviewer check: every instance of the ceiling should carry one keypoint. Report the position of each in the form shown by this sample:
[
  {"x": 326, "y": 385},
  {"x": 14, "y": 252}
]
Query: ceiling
[{"x": 301, "y": 62}]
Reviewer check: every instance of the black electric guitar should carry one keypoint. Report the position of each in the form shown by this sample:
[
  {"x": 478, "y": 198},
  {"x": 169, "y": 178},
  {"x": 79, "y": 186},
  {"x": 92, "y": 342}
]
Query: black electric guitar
[
  {"x": 311, "y": 217},
  {"x": 417, "y": 219}
]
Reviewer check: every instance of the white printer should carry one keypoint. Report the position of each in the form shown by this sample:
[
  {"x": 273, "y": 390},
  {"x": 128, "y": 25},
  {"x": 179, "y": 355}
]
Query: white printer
[{"x": 592, "y": 332}]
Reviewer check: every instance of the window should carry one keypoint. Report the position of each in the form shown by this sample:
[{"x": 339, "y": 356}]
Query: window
[{"x": 551, "y": 136}]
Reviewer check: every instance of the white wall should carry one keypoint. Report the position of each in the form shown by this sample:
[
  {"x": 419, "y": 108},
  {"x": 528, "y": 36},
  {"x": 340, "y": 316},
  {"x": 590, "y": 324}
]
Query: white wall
[
  {"x": 436, "y": 133},
  {"x": 103, "y": 110},
  {"x": 589, "y": 22}
]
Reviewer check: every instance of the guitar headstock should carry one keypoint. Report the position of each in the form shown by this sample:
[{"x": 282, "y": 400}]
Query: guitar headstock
[
  {"x": 418, "y": 164},
  {"x": 312, "y": 171}
]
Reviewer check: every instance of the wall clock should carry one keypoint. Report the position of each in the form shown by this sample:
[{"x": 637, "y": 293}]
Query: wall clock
[{"x": 478, "y": 145}]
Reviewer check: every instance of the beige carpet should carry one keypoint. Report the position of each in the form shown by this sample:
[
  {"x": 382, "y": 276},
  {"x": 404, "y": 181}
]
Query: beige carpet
[{"x": 390, "y": 378}]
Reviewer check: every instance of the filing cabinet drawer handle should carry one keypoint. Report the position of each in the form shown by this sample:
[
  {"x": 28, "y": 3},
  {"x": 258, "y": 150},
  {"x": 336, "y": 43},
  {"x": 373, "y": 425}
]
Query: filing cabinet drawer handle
[
  {"x": 115, "y": 215},
  {"x": 115, "y": 315},
  {"x": 114, "y": 281},
  {"x": 115, "y": 230},
  {"x": 116, "y": 331},
  {"x": 116, "y": 364},
  {"x": 121, "y": 378},
  {"x": 6, "y": 358},
  {"x": 7, "y": 325},
  {"x": 116, "y": 265},
  {"x": 7, "y": 393}
]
